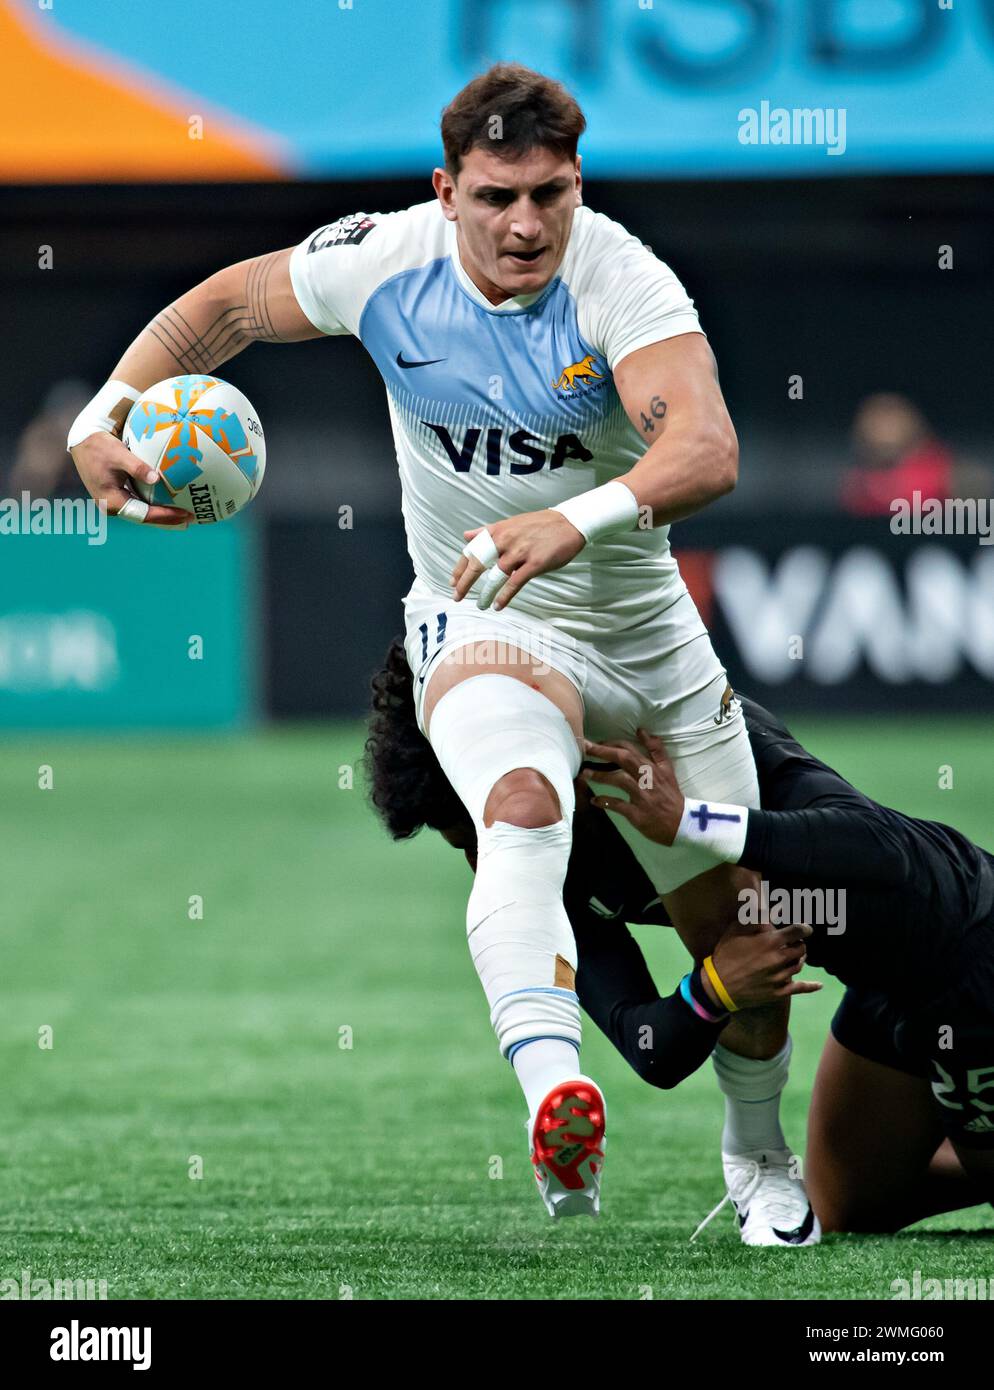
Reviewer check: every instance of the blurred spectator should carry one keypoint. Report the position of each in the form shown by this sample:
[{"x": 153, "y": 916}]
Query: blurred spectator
[
  {"x": 42, "y": 465},
  {"x": 896, "y": 455}
]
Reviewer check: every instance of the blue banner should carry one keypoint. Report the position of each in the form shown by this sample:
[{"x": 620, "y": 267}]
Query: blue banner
[
  {"x": 730, "y": 88},
  {"x": 139, "y": 629}
]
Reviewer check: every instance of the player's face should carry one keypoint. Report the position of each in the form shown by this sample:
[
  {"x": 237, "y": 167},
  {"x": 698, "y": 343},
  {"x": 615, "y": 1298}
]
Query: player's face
[{"x": 514, "y": 217}]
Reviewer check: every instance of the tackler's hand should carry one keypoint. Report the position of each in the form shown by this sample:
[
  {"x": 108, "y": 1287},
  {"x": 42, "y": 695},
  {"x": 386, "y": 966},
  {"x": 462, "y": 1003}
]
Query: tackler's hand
[
  {"x": 645, "y": 774},
  {"x": 757, "y": 964}
]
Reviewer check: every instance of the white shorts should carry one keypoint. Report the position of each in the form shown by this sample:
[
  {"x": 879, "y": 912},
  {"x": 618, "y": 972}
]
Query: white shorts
[{"x": 663, "y": 676}]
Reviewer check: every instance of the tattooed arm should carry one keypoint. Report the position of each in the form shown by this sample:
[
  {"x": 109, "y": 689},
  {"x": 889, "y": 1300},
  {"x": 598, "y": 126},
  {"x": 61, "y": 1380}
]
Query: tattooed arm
[
  {"x": 252, "y": 301},
  {"x": 249, "y": 302},
  {"x": 671, "y": 394}
]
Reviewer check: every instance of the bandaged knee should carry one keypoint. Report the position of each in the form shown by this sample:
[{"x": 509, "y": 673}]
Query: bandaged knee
[
  {"x": 489, "y": 725},
  {"x": 519, "y": 934}
]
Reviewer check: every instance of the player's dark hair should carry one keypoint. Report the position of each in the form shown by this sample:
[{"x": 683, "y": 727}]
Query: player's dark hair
[
  {"x": 406, "y": 783},
  {"x": 510, "y": 110}
]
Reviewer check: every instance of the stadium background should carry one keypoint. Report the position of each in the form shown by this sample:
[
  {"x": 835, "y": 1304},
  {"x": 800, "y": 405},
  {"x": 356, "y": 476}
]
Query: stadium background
[{"x": 134, "y": 165}]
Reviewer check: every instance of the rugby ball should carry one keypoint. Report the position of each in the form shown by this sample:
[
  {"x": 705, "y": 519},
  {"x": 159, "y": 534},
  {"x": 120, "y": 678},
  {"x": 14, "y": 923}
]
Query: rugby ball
[{"x": 205, "y": 439}]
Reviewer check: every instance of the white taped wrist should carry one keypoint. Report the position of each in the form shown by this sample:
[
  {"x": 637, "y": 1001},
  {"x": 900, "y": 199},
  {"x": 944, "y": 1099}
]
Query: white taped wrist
[
  {"x": 603, "y": 511},
  {"x": 107, "y": 411},
  {"x": 715, "y": 827}
]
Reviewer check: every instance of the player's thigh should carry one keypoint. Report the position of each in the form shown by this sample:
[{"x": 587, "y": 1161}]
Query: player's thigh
[
  {"x": 872, "y": 1132},
  {"x": 962, "y": 1084},
  {"x": 665, "y": 677},
  {"x": 703, "y": 908},
  {"x": 457, "y": 642},
  {"x": 662, "y": 675},
  {"x": 476, "y": 659},
  {"x": 958, "y": 1032},
  {"x": 711, "y": 760}
]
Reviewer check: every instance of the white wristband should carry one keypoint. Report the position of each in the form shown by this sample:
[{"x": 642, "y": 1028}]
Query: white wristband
[
  {"x": 603, "y": 511},
  {"x": 107, "y": 411},
  {"x": 715, "y": 827}
]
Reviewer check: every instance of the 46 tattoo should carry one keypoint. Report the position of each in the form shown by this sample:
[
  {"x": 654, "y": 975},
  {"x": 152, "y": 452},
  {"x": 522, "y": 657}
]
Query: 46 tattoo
[{"x": 657, "y": 409}]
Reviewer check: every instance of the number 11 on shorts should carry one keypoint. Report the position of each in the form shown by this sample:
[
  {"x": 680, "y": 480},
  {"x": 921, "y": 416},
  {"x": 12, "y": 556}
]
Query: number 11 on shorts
[{"x": 441, "y": 619}]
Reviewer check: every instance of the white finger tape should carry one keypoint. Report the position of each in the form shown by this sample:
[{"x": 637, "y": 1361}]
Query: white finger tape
[
  {"x": 490, "y": 584},
  {"x": 482, "y": 549},
  {"x": 134, "y": 510}
]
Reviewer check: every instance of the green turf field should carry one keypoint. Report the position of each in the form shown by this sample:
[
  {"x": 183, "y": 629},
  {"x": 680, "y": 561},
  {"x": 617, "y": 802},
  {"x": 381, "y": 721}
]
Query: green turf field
[{"x": 332, "y": 1171}]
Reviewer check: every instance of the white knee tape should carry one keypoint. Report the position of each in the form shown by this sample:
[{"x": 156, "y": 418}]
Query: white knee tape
[
  {"x": 520, "y": 937},
  {"x": 519, "y": 934},
  {"x": 489, "y": 725}
]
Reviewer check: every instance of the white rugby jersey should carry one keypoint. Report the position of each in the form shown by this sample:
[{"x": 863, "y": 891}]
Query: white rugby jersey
[{"x": 508, "y": 408}]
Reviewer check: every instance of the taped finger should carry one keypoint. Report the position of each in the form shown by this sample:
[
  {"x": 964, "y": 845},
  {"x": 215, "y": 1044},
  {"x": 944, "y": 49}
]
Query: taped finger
[
  {"x": 482, "y": 549},
  {"x": 490, "y": 585},
  {"x": 134, "y": 510}
]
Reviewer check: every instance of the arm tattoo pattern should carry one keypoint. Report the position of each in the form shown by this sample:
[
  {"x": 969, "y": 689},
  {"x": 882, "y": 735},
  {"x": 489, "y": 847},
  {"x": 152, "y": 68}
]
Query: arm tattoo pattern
[
  {"x": 657, "y": 410},
  {"x": 199, "y": 353}
]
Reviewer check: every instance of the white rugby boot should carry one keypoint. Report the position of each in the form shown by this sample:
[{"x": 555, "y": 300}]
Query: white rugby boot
[
  {"x": 567, "y": 1148},
  {"x": 772, "y": 1207}
]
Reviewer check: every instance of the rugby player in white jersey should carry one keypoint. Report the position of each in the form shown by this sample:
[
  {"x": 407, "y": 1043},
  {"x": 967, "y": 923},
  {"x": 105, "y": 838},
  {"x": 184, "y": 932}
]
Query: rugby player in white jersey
[{"x": 555, "y": 404}]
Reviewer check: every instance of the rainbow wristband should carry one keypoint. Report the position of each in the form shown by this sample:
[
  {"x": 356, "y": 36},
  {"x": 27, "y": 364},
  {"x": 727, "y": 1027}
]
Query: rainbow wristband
[
  {"x": 719, "y": 988},
  {"x": 687, "y": 994}
]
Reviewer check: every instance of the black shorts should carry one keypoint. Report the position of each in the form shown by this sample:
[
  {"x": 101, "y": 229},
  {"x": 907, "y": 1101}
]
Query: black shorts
[{"x": 949, "y": 1041}]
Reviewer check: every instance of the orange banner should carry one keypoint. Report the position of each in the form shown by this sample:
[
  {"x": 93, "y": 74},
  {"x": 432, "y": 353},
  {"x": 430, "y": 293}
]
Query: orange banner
[{"x": 67, "y": 113}]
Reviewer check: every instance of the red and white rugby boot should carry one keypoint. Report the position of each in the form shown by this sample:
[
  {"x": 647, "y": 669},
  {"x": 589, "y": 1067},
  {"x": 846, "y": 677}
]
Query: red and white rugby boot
[{"x": 567, "y": 1148}]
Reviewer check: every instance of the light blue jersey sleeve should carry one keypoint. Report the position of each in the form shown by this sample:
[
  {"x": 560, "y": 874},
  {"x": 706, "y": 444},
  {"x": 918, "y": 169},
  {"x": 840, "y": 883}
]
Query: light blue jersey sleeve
[{"x": 336, "y": 269}]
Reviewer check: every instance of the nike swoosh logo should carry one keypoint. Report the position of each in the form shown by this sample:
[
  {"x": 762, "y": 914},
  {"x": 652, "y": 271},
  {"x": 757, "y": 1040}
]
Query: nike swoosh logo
[
  {"x": 430, "y": 363},
  {"x": 800, "y": 1234}
]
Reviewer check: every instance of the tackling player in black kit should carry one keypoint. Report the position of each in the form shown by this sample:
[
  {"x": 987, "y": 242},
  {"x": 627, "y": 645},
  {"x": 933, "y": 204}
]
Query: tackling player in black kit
[{"x": 901, "y": 1124}]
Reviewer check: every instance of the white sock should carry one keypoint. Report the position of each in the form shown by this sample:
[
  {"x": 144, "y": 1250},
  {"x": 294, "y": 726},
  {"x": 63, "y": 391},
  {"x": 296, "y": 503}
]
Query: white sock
[
  {"x": 752, "y": 1099},
  {"x": 542, "y": 1064}
]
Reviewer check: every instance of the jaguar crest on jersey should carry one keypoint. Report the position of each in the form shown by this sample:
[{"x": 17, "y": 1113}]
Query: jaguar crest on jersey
[{"x": 573, "y": 379}]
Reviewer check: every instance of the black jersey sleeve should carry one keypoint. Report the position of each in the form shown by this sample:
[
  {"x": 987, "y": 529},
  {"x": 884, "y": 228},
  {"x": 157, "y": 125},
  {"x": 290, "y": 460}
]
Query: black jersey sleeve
[
  {"x": 662, "y": 1039},
  {"x": 815, "y": 827},
  {"x": 862, "y": 843}
]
